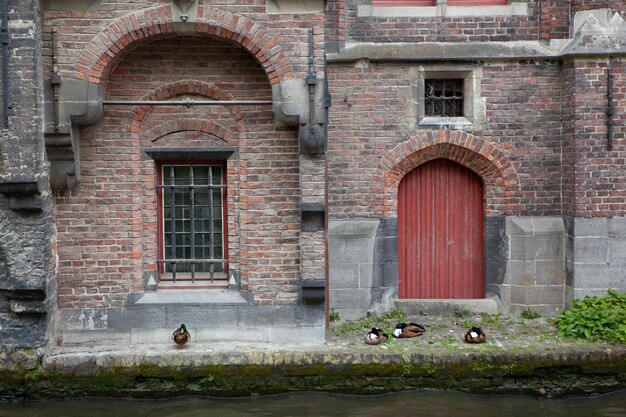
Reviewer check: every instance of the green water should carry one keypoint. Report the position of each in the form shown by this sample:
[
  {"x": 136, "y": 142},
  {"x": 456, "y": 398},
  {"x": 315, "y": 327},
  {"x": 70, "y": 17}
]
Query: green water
[{"x": 411, "y": 404}]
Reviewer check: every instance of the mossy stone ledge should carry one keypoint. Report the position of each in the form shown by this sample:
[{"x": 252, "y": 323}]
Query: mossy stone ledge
[{"x": 167, "y": 373}]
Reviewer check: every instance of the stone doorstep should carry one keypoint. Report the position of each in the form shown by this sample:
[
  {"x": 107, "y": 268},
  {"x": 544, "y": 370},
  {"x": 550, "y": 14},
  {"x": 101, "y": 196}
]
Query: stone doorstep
[{"x": 444, "y": 307}]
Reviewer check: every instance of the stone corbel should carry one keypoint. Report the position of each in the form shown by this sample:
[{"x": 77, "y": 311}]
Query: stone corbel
[
  {"x": 185, "y": 11},
  {"x": 79, "y": 104},
  {"x": 292, "y": 106}
]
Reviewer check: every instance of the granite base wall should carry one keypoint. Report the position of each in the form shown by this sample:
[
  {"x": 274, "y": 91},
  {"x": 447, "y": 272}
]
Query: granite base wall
[{"x": 595, "y": 256}]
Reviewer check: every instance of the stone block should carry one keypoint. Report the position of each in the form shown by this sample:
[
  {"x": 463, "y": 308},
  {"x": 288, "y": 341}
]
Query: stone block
[
  {"x": 519, "y": 226},
  {"x": 550, "y": 273},
  {"x": 266, "y": 316},
  {"x": 230, "y": 334},
  {"x": 386, "y": 248},
  {"x": 528, "y": 248},
  {"x": 591, "y": 249},
  {"x": 197, "y": 316},
  {"x": 355, "y": 298},
  {"x": 351, "y": 250},
  {"x": 314, "y": 335},
  {"x": 617, "y": 251},
  {"x": 366, "y": 276},
  {"x": 544, "y": 295},
  {"x": 617, "y": 227},
  {"x": 495, "y": 225},
  {"x": 579, "y": 293},
  {"x": 343, "y": 276},
  {"x": 599, "y": 276},
  {"x": 95, "y": 338},
  {"x": 521, "y": 273},
  {"x": 548, "y": 226},
  {"x": 84, "y": 319},
  {"x": 597, "y": 226},
  {"x": 311, "y": 314},
  {"x": 353, "y": 228},
  {"x": 137, "y": 317},
  {"x": 387, "y": 273},
  {"x": 157, "y": 336}
]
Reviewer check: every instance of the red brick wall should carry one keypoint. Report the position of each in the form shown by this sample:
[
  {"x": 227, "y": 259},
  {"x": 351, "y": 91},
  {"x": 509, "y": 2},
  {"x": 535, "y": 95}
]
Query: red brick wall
[
  {"x": 107, "y": 227},
  {"x": 596, "y": 184},
  {"x": 369, "y": 118},
  {"x": 615, "y": 5},
  {"x": 555, "y": 19},
  {"x": 441, "y": 29}
]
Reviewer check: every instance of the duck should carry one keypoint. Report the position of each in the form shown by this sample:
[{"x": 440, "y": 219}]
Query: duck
[
  {"x": 181, "y": 336},
  {"x": 376, "y": 337},
  {"x": 407, "y": 330},
  {"x": 475, "y": 335}
]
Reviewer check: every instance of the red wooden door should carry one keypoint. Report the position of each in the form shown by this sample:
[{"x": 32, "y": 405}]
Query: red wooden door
[{"x": 440, "y": 232}]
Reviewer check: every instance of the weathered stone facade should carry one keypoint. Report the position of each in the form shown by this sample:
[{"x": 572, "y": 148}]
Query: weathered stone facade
[
  {"x": 313, "y": 171},
  {"x": 25, "y": 204}
]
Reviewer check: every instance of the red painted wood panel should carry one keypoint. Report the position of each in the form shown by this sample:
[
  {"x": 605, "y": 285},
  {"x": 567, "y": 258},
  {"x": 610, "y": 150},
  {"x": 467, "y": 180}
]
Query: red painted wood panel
[
  {"x": 440, "y": 232},
  {"x": 394, "y": 3},
  {"x": 477, "y": 2}
]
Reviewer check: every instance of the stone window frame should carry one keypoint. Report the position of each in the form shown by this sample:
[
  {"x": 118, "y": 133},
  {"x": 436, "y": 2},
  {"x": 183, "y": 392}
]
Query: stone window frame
[
  {"x": 163, "y": 275},
  {"x": 442, "y": 9},
  {"x": 474, "y": 108}
]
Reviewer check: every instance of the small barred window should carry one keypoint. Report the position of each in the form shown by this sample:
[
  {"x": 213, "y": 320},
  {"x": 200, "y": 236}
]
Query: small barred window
[
  {"x": 192, "y": 222},
  {"x": 443, "y": 98}
]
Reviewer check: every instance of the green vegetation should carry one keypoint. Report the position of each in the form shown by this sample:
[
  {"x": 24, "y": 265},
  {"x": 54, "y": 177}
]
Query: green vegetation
[
  {"x": 333, "y": 315},
  {"x": 529, "y": 314},
  {"x": 595, "y": 318},
  {"x": 372, "y": 320}
]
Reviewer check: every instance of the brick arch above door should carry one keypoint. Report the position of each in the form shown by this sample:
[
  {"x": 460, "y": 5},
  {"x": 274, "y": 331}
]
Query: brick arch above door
[{"x": 480, "y": 156}]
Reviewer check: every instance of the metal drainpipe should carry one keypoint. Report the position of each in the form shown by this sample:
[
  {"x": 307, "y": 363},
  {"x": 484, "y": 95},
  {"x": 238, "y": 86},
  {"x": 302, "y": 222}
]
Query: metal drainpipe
[{"x": 4, "y": 38}]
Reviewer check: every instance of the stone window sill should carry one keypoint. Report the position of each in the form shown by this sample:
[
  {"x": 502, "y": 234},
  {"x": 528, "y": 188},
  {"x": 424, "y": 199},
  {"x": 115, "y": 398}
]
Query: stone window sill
[
  {"x": 221, "y": 296},
  {"x": 442, "y": 10},
  {"x": 447, "y": 122}
]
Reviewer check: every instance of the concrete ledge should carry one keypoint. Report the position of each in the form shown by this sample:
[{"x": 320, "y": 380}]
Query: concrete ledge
[{"x": 447, "y": 307}]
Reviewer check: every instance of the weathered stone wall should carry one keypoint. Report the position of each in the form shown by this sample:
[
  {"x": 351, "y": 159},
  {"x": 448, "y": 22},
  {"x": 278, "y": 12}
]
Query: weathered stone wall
[{"x": 25, "y": 211}]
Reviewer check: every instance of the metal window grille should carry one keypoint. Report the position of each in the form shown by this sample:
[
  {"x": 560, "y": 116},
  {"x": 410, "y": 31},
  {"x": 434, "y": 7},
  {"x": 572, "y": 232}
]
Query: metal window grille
[
  {"x": 443, "y": 98},
  {"x": 192, "y": 198}
]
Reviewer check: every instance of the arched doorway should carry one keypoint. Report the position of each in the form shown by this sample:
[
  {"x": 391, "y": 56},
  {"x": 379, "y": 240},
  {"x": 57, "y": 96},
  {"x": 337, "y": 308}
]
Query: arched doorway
[{"x": 440, "y": 232}]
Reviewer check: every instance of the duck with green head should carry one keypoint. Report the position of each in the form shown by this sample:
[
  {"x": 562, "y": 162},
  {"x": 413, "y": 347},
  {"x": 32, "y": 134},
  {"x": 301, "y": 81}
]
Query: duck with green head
[{"x": 181, "y": 336}]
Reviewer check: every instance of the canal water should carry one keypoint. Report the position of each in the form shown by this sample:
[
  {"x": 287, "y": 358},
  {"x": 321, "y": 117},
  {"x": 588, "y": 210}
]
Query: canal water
[{"x": 408, "y": 404}]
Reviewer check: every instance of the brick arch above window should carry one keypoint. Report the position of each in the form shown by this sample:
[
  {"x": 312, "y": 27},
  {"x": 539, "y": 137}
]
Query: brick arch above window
[
  {"x": 178, "y": 88},
  {"x": 106, "y": 48},
  {"x": 189, "y": 125},
  {"x": 481, "y": 156}
]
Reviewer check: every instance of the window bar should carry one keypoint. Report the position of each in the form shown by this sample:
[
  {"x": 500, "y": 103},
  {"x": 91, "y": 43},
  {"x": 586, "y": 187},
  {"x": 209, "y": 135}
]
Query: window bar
[
  {"x": 454, "y": 88},
  {"x": 442, "y": 102},
  {"x": 432, "y": 98},
  {"x": 211, "y": 237},
  {"x": 193, "y": 231},
  {"x": 173, "y": 220}
]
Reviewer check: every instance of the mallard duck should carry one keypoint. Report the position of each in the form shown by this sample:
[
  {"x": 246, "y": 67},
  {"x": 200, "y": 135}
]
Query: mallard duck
[
  {"x": 406, "y": 330},
  {"x": 475, "y": 335},
  {"x": 181, "y": 336},
  {"x": 376, "y": 337}
]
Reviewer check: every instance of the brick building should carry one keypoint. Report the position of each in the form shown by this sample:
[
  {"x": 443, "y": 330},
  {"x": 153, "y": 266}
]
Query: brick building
[{"x": 243, "y": 166}]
